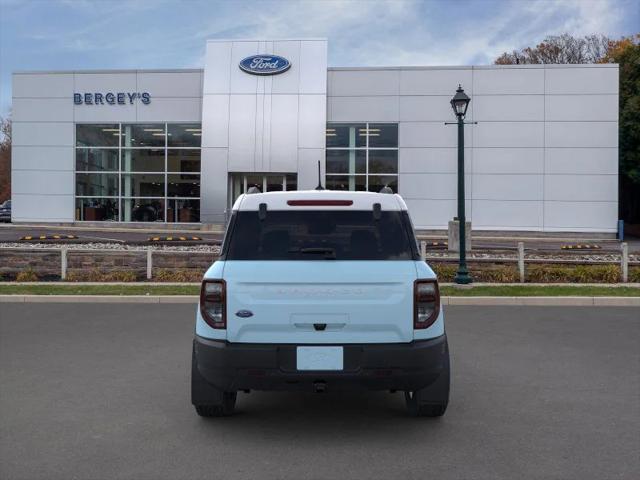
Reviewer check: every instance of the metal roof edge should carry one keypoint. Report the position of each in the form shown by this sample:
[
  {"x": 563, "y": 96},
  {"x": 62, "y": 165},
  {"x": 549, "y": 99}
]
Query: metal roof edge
[
  {"x": 479, "y": 67},
  {"x": 105, "y": 71},
  {"x": 314, "y": 39}
]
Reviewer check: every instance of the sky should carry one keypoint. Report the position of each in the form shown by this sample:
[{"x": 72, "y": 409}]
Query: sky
[{"x": 111, "y": 34}]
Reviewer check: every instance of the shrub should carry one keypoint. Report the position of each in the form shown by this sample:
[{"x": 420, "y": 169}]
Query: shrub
[
  {"x": 538, "y": 273},
  {"x": 121, "y": 276},
  {"x": 177, "y": 275},
  {"x": 99, "y": 276},
  {"x": 27, "y": 275},
  {"x": 634, "y": 274},
  {"x": 479, "y": 272},
  {"x": 444, "y": 271},
  {"x": 573, "y": 273},
  {"x": 495, "y": 274}
]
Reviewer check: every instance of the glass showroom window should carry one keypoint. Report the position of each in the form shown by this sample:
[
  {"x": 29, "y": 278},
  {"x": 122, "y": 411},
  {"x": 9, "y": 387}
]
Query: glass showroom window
[
  {"x": 362, "y": 156},
  {"x": 138, "y": 172},
  {"x": 183, "y": 174}
]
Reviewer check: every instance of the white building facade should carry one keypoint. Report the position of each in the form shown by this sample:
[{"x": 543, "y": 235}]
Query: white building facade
[{"x": 178, "y": 146}]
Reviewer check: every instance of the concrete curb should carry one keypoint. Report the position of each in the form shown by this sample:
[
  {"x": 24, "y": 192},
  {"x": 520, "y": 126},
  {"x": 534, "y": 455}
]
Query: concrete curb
[
  {"x": 99, "y": 299},
  {"x": 442, "y": 284},
  {"x": 538, "y": 284},
  {"x": 128, "y": 284},
  {"x": 214, "y": 229},
  {"x": 544, "y": 301},
  {"x": 453, "y": 301}
]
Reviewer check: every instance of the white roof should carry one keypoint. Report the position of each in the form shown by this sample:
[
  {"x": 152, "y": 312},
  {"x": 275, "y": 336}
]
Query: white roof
[{"x": 280, "y": 200}]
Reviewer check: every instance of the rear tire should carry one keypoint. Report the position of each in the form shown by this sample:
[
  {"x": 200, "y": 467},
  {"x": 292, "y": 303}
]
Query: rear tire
[
  {"x": 417, "y": 409},
  {"x": 208, "y": 400},
  {"x": 432, "y": 400},
  {"x": 227, "y": 408}
]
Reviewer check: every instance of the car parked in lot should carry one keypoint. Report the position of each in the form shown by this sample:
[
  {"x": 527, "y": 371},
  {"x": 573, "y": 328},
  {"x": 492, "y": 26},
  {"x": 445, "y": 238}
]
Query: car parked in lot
[
  {"x": 5, "y": 211},
  {"x": 320, "y": 291}
]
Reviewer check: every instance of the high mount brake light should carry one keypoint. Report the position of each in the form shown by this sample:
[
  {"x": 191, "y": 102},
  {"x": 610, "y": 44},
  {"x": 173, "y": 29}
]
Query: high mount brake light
[
  {"x": 426, "y": 303},
  {"x": 213, "y": 299},
  {"x": 319, "y": 203}
]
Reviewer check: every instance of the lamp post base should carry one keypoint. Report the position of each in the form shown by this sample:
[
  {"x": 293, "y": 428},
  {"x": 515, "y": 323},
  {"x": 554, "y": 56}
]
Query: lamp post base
[{"x": 462, "y": 277}]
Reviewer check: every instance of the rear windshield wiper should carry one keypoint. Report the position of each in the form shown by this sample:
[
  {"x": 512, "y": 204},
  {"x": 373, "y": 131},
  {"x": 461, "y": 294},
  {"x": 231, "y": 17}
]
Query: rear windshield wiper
[{"x": 329, "y": 253}]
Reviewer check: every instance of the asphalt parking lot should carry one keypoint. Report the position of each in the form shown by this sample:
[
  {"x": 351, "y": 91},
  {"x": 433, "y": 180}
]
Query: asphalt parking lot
[{"x": 102, "y": 392}]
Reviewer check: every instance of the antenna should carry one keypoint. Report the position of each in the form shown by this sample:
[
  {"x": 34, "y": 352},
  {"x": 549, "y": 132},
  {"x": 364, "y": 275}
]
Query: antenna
[{"x": 319, "y": 187}]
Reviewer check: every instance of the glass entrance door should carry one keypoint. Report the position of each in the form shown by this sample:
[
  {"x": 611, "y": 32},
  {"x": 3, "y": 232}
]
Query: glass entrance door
[{"x": 239, "y": 183}]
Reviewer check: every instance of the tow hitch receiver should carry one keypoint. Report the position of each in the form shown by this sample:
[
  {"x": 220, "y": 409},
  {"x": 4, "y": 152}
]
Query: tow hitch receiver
[{"x": 319, "y": 386}]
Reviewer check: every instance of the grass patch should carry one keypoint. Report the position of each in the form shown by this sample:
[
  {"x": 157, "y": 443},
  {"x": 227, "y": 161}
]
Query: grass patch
[
  {"x": 53, "y": 289},
  {"x": 489, "y": 291},
  {"x": 540, "y": 291}
]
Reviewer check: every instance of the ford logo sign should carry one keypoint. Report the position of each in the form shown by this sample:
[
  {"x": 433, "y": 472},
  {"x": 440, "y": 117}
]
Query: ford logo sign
[
  {"x": 265, "y": 64},
  {"x": 244, "y": 313}
]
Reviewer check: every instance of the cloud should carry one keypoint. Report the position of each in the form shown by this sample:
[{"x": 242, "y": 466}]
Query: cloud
[
  {"x": 405, "y": 32},
  {"x": 87, "y": 34},
  {"x": 592, "y": 17}
]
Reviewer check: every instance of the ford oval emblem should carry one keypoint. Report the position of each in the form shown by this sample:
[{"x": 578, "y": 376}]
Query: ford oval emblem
[
  {"x": 265, "y": 64},
  {"x": 244, "y": 313}
]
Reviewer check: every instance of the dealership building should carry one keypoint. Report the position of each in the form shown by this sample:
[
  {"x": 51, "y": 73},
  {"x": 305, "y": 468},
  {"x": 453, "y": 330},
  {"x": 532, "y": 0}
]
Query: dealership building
[{"x": 179, "y": 146}]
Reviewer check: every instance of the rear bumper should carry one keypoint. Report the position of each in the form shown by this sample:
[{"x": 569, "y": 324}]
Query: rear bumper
[{"x": 405, "y": 366}]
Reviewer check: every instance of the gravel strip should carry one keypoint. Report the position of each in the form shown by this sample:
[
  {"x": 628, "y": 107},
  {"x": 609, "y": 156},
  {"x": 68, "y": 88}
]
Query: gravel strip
[{"x": 114, "y": 247}]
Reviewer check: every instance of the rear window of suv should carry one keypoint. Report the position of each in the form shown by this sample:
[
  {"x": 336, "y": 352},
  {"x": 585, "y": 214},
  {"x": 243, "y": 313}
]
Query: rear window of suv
[{"x": 320, "y": 235}]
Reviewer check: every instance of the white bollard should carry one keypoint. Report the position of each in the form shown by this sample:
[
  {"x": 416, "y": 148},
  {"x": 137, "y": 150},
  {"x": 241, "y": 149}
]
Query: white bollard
[
  {"x": 521, "y": 261},
  {"x": 625, "y": 262},
  {"x": 149, "y": 262},
  {"x": 423, "y": 250},
  {"x": 63, "y": 263}
]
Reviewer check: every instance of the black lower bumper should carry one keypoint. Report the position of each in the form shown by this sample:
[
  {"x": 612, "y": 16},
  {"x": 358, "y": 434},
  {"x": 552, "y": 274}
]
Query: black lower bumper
[{"x": 407, "y": 366}]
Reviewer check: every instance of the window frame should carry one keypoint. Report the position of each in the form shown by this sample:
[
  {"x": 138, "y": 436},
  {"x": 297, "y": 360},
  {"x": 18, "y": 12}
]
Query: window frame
[
  {"x": 367, "y": 149},
  {"x": 119, "y": 198}
]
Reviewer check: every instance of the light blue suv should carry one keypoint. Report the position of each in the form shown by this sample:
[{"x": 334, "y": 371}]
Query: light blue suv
[{"x": 320, "y": 291}]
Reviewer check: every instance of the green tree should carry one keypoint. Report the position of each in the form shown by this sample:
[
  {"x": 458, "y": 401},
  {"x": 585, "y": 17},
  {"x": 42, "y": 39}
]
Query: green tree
[
  {"x": 600, "y": 49},
  {"x": 626, "y": 53},
  {"x": 5, "y": 159}
]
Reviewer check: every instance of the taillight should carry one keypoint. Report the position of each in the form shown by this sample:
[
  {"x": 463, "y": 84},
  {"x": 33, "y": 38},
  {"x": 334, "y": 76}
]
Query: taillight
[
  {"x": 213, "y": 303},
  {"x": 426, "y": 303}
]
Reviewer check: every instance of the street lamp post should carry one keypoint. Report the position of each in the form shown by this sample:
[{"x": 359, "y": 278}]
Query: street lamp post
[{"x": 459, "y": 103}]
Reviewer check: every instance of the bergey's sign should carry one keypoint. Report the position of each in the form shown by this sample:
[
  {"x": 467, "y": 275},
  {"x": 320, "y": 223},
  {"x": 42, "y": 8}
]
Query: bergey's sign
[
  {"x": 110, "y": 98},
  {"x": 265, "y": 64}
]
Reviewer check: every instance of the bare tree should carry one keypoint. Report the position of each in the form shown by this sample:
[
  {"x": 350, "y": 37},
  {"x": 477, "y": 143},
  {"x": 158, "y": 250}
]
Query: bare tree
[{"x": 563, "y": 48}]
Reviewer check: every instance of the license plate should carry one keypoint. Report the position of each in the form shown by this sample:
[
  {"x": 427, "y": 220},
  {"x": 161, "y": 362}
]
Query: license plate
[{"x": 320, "y": 358}]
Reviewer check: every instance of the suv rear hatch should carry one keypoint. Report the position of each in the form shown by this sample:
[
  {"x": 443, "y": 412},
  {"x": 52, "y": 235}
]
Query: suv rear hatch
[{"x": 319, "y": 277}]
